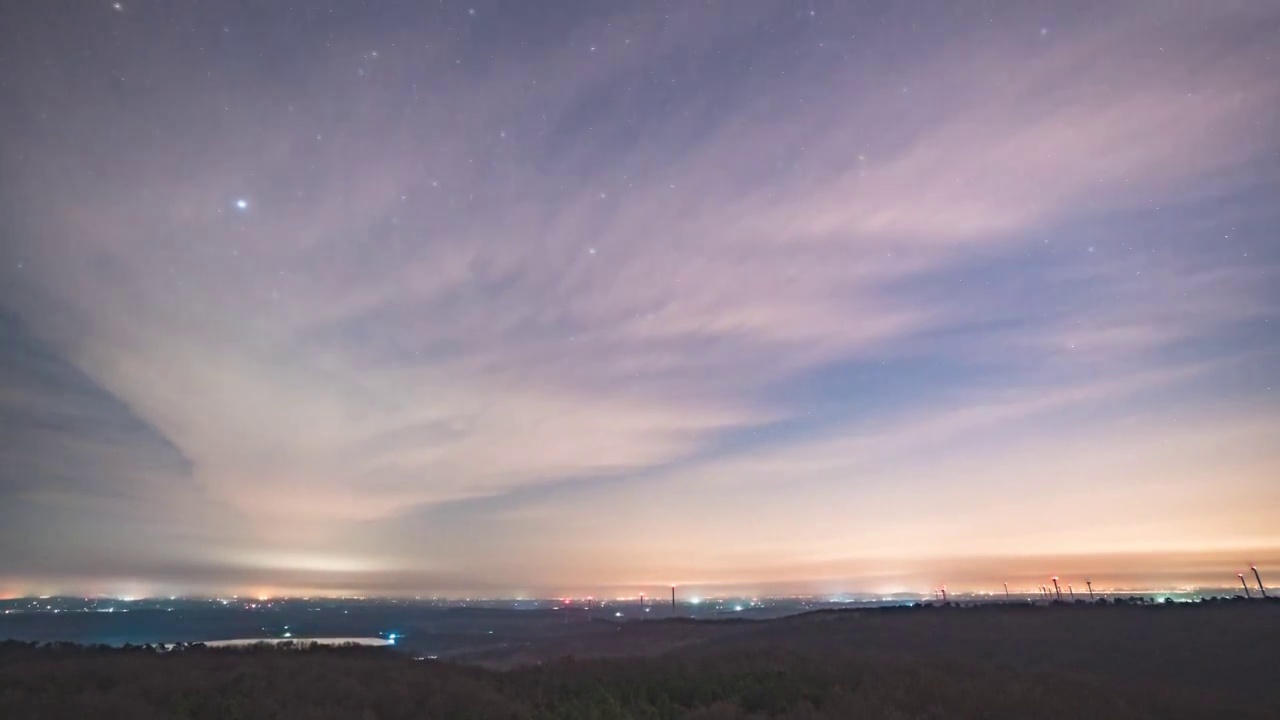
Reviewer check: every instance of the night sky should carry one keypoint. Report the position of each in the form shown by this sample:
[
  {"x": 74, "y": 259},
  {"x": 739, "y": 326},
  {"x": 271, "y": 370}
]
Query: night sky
[{"x": 519, "y": 298}]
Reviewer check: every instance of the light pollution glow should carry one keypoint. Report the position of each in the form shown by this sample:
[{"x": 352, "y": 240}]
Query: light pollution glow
[{"x": 595, "y": 297}]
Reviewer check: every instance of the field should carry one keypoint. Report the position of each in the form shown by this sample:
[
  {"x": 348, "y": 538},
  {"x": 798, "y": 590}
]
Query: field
[{"x": 1205, "y": 660}]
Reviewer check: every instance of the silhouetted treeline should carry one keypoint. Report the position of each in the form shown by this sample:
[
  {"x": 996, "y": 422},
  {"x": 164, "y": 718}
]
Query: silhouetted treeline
[{"x": 1014, "y": 662}]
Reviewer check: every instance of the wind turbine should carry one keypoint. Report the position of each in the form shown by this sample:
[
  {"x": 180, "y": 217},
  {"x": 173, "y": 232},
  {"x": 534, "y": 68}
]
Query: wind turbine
[
  {"x": 1261, "y": 588},
  {"x": 1245, "y": 585}
]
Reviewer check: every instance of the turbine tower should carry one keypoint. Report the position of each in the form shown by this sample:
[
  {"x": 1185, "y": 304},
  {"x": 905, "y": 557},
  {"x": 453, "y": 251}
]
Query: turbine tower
[
  {"x": 1057, "y": 589},
  {"x": 1090, "y": 584},
  {"x": 1245, "y": 585},
  {"x": 1261, "y": 588}
]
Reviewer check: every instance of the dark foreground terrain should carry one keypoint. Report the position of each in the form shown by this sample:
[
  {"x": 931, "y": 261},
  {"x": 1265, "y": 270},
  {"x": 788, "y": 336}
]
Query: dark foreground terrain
[{"x": 1208, "y": 660}]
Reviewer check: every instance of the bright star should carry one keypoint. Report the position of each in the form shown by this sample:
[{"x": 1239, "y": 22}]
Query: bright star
[{"x": 242, "y": 204}]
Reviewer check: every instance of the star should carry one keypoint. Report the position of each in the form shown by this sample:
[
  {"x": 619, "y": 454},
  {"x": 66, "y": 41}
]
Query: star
[
  {"x": 242, "y": 204},
  {"x": 118, "y": 7}
]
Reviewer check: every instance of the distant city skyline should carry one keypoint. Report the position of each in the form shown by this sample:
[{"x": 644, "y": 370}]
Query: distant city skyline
[{"x": 512, "y": 298}]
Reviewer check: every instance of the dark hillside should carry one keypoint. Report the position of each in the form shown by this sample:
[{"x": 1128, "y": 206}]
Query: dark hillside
[{"x": 1202, "y": 661}]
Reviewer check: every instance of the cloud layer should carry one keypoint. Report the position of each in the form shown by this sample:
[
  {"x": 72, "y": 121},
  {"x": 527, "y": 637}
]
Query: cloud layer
[{"x": 496, "y": 301}]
